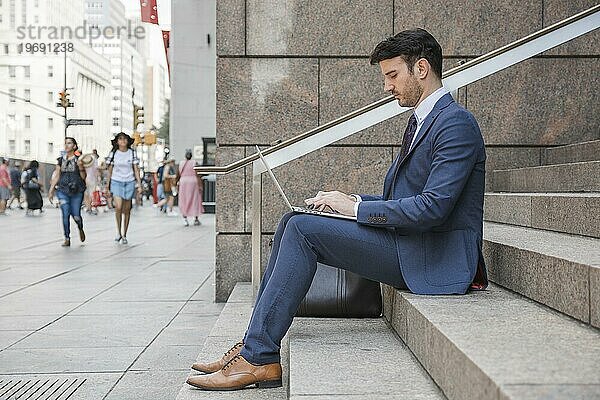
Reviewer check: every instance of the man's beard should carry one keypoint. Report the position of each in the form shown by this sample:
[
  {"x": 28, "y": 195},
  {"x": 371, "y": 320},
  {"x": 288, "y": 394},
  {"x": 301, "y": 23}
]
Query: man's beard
[{"x": 411, "y": 95}]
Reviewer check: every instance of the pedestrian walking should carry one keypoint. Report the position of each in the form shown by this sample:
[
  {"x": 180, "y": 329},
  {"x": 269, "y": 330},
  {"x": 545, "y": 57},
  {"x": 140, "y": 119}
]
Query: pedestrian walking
[
  {"x": 32, "y": 187},
  {"x": 123, "y": 173},
  {"x": 190, "y": 190},
  {"x": 15, "y": 181},
  {"x": 169, "y": 185},
  {"x": 5, "y": 185},
  {"x": 69, "y": 181},
  {"x": 160, "y": 189},
  {"x": 90, "y": 163}
]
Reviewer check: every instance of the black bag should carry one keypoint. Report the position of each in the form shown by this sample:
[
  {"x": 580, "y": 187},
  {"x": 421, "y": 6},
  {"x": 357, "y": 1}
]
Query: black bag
[
  {"x": 29, "y": 183},
  {"x": 337, "y": 293}
]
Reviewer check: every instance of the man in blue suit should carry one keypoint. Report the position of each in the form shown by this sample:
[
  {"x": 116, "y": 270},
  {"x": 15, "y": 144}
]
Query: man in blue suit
[{"x": 425, "y": 231}]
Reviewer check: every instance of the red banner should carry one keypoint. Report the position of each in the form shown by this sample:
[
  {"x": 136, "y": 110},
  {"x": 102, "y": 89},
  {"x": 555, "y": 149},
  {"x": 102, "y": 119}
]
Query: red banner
[
  {"x": 149, "y": 11},
  {"x": 166, "y": 36}
]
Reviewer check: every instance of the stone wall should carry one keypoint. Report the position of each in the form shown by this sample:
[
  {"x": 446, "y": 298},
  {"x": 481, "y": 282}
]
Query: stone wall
[{"x": 285, "y": 67}]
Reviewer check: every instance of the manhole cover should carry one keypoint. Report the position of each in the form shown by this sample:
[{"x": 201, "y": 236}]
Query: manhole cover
[{"x": 38, "y": 389}]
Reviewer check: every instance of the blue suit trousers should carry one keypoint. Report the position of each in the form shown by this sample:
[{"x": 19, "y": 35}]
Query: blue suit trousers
[{"x": 302, "y": 240}]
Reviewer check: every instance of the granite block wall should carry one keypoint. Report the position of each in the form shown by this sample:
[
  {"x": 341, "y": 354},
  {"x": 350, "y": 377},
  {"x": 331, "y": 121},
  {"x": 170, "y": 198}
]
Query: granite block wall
[{"x": 285, "y": 67}]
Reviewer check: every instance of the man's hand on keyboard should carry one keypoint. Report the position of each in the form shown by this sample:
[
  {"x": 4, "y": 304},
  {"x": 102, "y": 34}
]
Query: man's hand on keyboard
[{"x": 338, "y": 201}]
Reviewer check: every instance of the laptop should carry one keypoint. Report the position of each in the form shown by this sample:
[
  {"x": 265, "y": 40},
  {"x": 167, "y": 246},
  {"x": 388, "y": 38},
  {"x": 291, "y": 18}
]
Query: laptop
[{"x": 303, "y": 210}]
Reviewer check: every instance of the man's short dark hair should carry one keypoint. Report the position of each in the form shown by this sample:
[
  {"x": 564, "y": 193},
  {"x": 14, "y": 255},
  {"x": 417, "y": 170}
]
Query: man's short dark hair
[{"x": 411, "y": 45}]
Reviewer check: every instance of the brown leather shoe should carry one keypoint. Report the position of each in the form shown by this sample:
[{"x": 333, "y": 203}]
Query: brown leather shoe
[
  {"x": 238, "y": 374},
  {"x": 209, "y": 368}
]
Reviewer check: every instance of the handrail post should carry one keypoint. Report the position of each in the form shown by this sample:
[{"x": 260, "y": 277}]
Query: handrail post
[{"x": 256, "y": 226}]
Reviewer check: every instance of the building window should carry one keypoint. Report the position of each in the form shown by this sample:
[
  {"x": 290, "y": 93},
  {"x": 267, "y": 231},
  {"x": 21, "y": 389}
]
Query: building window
[
  {"x": 12, "y": 147},
  {"x": 50, "y": 97},
  {"x": 50, "y": 148},
  {"x": 50, "y": 123},
  {"x": 36, "y": 19},
  {"x": 36, "y": 3},
  {"x": 115, "y": 121},
  {"x": 27, "y": 94},
  {"x": 12, "y": 71},
  {"x": 0, "y": 18},
  {"x": 209, "y": 150},
  {"x": 27, "y": 71},
  {"x": 12, "y": 93},
  {"x": 27, "y": 148},
  {"x": 27, "y": 121},
  {"x": 5, "y": 49},
  {"x": 50, "y": 71}
]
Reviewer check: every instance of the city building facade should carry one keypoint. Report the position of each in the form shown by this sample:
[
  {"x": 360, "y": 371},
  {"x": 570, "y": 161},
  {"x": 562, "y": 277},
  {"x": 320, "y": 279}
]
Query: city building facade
[
  {"x": 193, "y": 76},
  {"x": 32, "y": 75}
]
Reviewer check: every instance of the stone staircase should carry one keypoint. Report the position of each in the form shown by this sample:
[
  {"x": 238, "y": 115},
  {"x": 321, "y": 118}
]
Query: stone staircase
[
  {"x": 532, "y": 335},
  {"x": 542, "y": 230}
]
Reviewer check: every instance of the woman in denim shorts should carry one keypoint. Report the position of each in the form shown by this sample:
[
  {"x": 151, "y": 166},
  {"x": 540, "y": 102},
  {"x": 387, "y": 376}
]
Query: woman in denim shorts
[{"x": 123, "y": 173}]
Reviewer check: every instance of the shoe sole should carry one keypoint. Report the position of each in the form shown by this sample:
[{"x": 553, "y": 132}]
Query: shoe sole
[{"x": 259, "y": 385}]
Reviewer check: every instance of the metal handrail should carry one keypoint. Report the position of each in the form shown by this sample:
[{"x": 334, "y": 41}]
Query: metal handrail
[{"x": 479, "y": 60}]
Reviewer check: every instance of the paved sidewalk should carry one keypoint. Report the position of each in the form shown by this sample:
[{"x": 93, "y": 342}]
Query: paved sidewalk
[{"x": 103, "y": 320}]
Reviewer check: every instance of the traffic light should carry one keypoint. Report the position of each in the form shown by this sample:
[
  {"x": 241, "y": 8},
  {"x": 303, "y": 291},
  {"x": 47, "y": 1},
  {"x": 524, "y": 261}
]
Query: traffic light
[
  {"x": 138, "y": 116},
  {"x": 63, "y": 99}
]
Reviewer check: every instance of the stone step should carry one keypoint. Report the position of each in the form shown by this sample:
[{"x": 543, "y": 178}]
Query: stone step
[
  {"x": 353, "y": 359},
  {"x": 498, "y": 345},
  {"x": 574, "y": 177},
  {"x": 575, "y": 213},
  {"x": 558, "y": 270},
  {"x": 228, "y": 330},
  {"x": 586, "y": 151}
]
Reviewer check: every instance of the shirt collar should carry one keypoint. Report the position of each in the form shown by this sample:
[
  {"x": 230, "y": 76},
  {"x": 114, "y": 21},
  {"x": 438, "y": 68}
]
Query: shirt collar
[{"x": 422, "y": 110}]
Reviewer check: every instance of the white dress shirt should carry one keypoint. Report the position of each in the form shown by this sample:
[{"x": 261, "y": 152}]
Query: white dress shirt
[{"x": 420, "y": 112}]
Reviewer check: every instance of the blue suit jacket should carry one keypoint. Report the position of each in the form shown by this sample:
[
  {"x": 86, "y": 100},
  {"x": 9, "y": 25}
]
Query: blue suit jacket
[{"x": 433, "y": 199}]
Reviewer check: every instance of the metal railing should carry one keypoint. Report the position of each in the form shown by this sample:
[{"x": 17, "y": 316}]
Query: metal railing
[{"x": 381, "y": 110}]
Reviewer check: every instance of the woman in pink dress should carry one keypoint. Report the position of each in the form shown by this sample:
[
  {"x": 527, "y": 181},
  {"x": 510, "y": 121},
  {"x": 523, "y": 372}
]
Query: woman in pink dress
[{"x": 190, "y": 192}]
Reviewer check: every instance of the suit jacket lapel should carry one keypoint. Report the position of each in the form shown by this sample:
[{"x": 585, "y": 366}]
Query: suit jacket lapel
[
  {"x": 442, "y": 103},
  {"x": 390, "y": 176}
]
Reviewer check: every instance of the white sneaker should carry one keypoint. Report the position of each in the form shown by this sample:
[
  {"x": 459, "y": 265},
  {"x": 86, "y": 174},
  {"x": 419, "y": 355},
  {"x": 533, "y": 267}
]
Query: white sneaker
[{"x": 124, "y": 240}]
